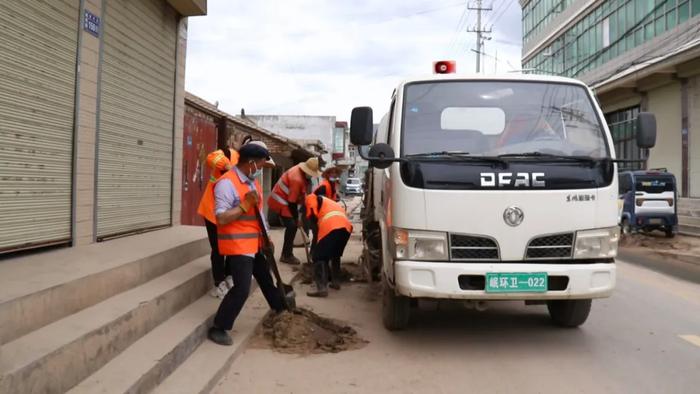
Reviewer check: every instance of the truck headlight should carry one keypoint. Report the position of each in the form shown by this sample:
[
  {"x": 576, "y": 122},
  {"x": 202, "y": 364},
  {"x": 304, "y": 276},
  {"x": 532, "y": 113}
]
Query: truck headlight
[
  {"x": 599, "y": 243},
  {"x": 420, "y": 245}
]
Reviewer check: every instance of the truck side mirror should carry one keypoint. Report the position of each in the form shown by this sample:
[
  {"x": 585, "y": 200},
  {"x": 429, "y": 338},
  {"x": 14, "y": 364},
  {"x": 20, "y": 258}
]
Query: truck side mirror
[
  {"x": 361, "y": 126},
  {"x": 646, "y": 130},
  {"x": 381, "y": 156}
]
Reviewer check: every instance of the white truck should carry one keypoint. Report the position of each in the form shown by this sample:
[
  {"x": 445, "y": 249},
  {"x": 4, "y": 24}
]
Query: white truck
[{"x": 492, "y": 188}]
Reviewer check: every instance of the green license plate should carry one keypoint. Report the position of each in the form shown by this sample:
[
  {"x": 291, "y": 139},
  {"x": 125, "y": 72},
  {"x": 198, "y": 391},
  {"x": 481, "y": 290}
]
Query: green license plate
[{"x": 516, "y": 282}]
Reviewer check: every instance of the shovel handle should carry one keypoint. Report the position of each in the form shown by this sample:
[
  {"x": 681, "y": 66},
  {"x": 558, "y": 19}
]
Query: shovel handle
[{"x": 271, "y": 259}]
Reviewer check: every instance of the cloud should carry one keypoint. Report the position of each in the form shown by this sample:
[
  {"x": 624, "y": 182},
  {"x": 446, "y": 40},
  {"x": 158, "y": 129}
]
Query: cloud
[{"x": 316, "y": 57}]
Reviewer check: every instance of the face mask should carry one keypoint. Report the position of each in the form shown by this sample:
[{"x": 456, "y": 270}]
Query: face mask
[
  {"x": 333, "y": 179},
  {"x": 257, "y": 172}
]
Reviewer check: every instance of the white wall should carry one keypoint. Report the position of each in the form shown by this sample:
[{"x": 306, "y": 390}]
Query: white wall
[
  {"x": 694, "y": 135},
  {"x": 665, "y": 103},
  {"x": 300, "y": 127}
]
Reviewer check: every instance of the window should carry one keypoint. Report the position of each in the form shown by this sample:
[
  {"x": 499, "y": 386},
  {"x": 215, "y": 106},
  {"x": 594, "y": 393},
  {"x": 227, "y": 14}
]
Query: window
[
  {"x": 623, "y": 129},
  {"x": 493, "y": 118}
]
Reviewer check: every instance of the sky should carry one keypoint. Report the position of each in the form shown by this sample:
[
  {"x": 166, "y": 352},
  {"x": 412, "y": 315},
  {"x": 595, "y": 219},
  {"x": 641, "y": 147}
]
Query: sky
[{"x": 323, "y": 57}]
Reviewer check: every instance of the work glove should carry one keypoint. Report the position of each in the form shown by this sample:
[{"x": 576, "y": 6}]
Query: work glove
[
  {"x": 269, "y": 249},
  {"x": 250, "y": 200}
]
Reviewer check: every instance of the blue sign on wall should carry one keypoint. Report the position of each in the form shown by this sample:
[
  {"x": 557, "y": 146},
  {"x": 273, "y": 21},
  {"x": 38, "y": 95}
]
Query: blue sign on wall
[{"x": 91, "y": 23}]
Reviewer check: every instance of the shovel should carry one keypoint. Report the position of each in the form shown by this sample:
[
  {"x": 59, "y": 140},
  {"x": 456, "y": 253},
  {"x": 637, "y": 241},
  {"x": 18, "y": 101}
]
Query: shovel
[
  {"x": 305, "y": 238},
  {"x": 286, "y": 291}
]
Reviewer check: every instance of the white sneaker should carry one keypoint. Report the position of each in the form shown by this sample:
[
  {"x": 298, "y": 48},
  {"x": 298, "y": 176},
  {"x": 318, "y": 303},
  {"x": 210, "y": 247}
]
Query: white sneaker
[
  {"x": 229, "y": 282},
  {"x": 219, "y": 291}
]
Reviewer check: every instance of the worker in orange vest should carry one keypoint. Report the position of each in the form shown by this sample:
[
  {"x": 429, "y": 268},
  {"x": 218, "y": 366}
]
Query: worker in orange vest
[
  {"x": 286, "y": 198},
  {"x": 219, "y": 161},
  {"x": 328, "y": 187},
  {"x": 334, "y": 229},
  {"x": 238, "y": 197}
]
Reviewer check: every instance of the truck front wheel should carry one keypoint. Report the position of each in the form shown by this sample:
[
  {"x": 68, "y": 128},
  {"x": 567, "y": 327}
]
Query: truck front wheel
[
  {"x": 569, "y": 313},
  {"x": 396, "y": 309}
]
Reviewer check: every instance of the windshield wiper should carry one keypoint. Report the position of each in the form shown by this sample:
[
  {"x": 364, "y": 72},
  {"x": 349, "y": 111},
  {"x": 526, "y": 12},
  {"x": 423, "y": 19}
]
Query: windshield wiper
[
  {"x": 456, "y": 156},
  {"x": 550, "y": 157}
]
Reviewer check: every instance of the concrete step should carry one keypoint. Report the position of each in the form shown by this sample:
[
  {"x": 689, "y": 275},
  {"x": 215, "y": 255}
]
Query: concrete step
[
  {"x": 689, "y": 202},
  {"x": 58, "y": 356},
  {"x": 41, "y": 288},
  {"x": 209, "y": 362},
  {"x": 146, "y": 363},
  {"x": 689, "y": 220},
  {"x": 689, "y": 230},
  {"x": 688, "y": 212}
]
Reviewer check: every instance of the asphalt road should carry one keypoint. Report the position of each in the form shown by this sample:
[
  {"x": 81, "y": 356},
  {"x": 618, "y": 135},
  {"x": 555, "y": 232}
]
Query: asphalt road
[{"x": 644, "y": 339}]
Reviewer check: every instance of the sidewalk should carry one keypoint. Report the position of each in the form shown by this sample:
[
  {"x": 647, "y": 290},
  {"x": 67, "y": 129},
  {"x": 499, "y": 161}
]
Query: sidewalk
[{"x": 678, "y": 257}]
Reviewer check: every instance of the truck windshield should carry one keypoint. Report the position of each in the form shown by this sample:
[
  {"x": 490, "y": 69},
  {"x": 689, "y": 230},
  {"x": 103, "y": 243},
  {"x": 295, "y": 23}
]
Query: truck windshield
[{"x": 488, "y": 118}]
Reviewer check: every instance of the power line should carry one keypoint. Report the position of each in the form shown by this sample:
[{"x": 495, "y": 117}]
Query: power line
[
  {"x": 503, "y": 12},
  {"x": 463, "y": 19}
]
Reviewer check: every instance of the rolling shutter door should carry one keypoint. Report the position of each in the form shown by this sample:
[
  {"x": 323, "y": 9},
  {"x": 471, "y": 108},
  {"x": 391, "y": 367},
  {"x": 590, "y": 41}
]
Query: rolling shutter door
[
  {"x": 135, "y": 147},
  {"x": 38, "y": 50}
]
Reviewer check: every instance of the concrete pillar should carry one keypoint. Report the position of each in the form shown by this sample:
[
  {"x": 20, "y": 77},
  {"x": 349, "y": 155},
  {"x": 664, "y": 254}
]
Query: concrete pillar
[
  {"x": 86, "y": 128},
  {"x": 665, "y": 103},
  {"x": 694, "y": 136},
  {"x": 179, "y": 121}
]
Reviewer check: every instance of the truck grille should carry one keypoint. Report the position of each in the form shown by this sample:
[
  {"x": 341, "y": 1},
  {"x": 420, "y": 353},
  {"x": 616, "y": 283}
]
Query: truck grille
[
  {"x": 551, "y": 247},
  {"x": 469, "y": 247}
]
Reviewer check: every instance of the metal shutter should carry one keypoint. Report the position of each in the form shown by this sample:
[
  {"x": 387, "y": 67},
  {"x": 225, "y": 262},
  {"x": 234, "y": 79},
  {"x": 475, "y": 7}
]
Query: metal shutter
[
  {"x": 38, "y": 49},
  {"x": 135, "y": 135}
]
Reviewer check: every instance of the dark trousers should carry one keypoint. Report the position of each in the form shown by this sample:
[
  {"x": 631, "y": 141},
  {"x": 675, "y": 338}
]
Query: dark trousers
[
  {"x": 327, "y": 254},
  {"x": 290, "y": 231},
  {"x": 243, "y": 269},
  {"x": 220, "y": 268}
]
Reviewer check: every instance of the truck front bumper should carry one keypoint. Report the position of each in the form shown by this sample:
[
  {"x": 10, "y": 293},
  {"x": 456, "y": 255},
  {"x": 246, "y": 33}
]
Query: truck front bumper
[{"x": 420, "y": 279}]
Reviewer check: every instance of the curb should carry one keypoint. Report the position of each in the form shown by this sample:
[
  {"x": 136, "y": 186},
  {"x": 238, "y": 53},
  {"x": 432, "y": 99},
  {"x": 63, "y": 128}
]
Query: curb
[{"x": 666, "y": 264}]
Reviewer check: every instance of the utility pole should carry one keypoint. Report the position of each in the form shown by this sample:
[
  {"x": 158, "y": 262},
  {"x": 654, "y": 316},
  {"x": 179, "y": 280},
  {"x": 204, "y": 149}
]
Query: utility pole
[{"x": 479, "y": 30}]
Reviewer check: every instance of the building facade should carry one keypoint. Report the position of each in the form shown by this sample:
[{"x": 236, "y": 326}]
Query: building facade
[
  {"x": 637, "y": 55},
  {"x": 308, "y": 130},
  {"x": 91, "y": 107}
]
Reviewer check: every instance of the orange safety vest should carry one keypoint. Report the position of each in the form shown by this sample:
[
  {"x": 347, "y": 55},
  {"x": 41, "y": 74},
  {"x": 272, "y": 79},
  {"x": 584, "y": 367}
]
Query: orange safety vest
[
  {"x": 243, "y": 235},
  {"x": 290, "y": 188},
  {"x": 331, "y": 190},
  {"x": 217, "y": 161},
  {"x": 331, "y": 216}
]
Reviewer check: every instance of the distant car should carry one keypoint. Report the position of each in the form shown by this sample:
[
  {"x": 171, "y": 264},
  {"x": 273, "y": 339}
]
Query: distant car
[
  {"x": 648, "y": 200},
  {"x": 353, "y": 186}
]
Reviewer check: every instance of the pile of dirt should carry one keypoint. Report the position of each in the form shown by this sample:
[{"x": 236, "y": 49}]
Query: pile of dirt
[
  {"x": 349, "y": 272},
  {"x": 654, "y": 242},
  {"x": 304, "y": 332}
]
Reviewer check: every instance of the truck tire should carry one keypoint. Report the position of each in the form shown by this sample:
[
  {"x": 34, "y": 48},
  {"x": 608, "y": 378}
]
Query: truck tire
[
  {"x": 396, "y": 309},
  {"x": 569, "y": 313}
]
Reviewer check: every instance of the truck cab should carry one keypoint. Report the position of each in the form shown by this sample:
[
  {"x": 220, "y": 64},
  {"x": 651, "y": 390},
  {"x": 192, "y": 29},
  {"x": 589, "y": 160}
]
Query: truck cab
[
  {"x": 648, "y": 200},
  {"x": 492, "y": 188}
]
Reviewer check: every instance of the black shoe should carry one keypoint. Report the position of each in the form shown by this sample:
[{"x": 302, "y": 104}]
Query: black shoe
[
  {"x": 291, "y": 260},
  {"x": 334, "y": 285},
  {"x": 318, "y": 291},
  {"x": 219, "y": 336}
]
